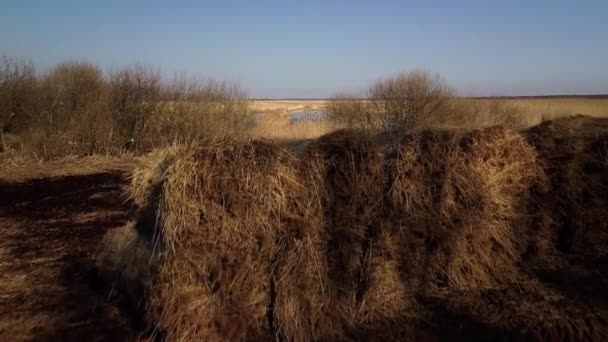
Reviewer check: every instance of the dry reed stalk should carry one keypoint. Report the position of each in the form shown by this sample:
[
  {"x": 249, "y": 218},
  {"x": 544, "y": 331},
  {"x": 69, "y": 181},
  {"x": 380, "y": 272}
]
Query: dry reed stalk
[
  {"x": 220, "y": 212},
  {"x": 573, "y": 218},
  {"x": 461, "y": 196}
]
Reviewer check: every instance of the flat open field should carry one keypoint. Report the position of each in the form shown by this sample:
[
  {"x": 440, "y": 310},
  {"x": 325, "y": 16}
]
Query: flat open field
[
  {"x": 542, "y": 106},
  {"x": 275, "y": 120},
  {"x": 264, "y": 106},
  {"x": 537, "y": 109}
]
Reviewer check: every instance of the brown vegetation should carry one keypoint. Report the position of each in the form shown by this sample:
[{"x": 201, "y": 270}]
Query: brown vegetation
[
  {"x": 365, "y": 235},
  {"x": 419, "y": 100},
  {"x": 74, "y": 109},
  {"x": 395, "y": 231},
  {"x": 406, "y": 101}
]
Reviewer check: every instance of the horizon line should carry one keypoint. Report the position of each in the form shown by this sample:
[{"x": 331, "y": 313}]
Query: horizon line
[{"x": 505, "y": 97}]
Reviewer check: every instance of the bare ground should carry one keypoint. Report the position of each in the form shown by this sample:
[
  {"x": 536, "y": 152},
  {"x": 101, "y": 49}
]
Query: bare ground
[{"x": 49, "y": 231}]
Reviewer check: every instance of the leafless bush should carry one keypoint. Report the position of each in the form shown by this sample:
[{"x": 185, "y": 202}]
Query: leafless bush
[
  {"x": 351, "y": 111},
  {"x": 134, "y": 95},
  {"x": 17, "y": 80},
  {"x": 406, "y": 101},
  {"x": 409, "y": 100},
  {"x": 418, "y": 99},
  {"x": 76, "y": 109},
  {"x": 196, "y": 109},
  {"x": 71, "y": 115}
]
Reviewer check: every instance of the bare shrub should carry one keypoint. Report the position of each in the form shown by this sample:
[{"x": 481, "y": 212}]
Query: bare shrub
[
  {"x": 134, "y": 94},
  {"x": 68, "y": 114},
  {"x": 79, "y": 108},
  {"x": 409, "y": 100},
  {"x": 406, "y": 101},
  {"x": 351, "y": 111},
  {"x": 193, "y": 110},
  {"x": 75, "y": 110},
  {"x": 17, "y": 82}
]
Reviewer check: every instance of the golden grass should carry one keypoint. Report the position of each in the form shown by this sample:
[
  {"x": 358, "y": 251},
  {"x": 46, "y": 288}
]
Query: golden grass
[
  {"x": 347, "y": 235},
  {"x": 466, "y": 192},
  {"x": 535, "y": 111},
  {"x": 232, "y": 248},
  {"x": 276, "y": 125},
  {"x": 274, "y": 120}
]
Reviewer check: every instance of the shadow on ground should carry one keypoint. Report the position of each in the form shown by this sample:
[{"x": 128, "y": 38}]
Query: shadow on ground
[{"x": 49, "y": 231}]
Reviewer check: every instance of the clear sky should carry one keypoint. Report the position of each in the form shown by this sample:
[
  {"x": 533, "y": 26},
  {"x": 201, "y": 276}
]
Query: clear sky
[{"x": 315, "y": 48}]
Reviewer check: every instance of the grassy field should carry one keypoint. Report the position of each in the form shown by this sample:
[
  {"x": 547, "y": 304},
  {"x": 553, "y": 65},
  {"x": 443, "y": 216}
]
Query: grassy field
[
  {"x": 275, "y": 122},
  {"x": 534, "y": 111},
  {"x": 265, "y": 106}
]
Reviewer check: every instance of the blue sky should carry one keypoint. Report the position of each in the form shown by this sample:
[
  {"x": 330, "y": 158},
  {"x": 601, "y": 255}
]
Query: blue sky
[{"x": 316, "y": 48}]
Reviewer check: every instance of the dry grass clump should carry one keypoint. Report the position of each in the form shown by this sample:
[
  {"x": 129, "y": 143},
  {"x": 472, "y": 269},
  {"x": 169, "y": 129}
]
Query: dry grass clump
[
  {"x": 355, "y": 178},
  {"x": 250, "y": 241},
  {"x": 338, "y": 269},
  {"x": 219, "y": 212},
  {"x": 387, "y": 297},
  {"x": 146, "y": 178},
  {"x": 462, "y": 196},
  {"x": 572, "y": 216},
  {"x": 302, "y": 309}
]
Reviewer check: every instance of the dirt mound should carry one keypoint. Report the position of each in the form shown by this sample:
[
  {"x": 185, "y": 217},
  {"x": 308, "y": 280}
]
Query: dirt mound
[{"x": 361, "y": 235}]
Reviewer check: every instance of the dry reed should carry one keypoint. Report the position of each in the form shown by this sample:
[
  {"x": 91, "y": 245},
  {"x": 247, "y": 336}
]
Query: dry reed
[{"x": 254, "y": 242}]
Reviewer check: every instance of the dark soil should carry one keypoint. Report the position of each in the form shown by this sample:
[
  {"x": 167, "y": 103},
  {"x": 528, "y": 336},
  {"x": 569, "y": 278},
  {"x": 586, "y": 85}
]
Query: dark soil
[{"x": 49, "y": 231}]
